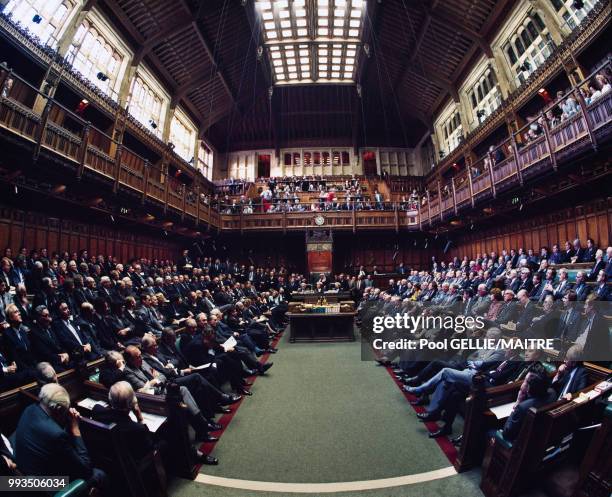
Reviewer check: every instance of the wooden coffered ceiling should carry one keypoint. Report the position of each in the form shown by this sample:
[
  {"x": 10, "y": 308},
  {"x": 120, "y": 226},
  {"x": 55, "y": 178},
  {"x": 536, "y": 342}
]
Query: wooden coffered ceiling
[{"x": 205, "y": 52}]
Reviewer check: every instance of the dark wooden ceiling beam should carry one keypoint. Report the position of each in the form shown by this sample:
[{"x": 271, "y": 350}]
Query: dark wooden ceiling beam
[
  {"x": 409, "y": 67},
  {"x": 445, "y": 84},
  {"x": 465, "y": 31},
  {"x": 146, "y": 47},
  {"x": 206, "y": 44}
]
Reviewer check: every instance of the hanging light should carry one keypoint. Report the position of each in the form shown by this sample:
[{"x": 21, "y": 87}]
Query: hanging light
[
  {"x": 101, "y": 76},
  {"x": 36, "y": 19}
]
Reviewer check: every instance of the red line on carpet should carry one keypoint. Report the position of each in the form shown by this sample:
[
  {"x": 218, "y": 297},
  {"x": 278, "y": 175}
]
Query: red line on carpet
[{"x": 450, "y": 451}]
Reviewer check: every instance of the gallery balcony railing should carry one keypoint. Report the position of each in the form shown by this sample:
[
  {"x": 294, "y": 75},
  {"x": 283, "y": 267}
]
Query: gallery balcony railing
[
  {"x": 593, "y": 23},
  {"x": 535, "y": 149},
  {"x": 49, "y": 127},
  {"x": 286, "y": 216},
  {"x": 46, "y": 127}
]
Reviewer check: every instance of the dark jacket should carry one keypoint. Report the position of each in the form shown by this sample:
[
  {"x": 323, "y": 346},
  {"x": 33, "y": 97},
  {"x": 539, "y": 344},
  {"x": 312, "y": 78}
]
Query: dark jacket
[
  {"x": 42, "y": 447},
  {"x": 135, "y": 436},
  {"x": 513, "y": 425}
]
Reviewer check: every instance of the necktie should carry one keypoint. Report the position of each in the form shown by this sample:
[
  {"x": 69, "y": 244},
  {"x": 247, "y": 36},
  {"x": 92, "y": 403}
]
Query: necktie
[{"x": 73, "y": 331}]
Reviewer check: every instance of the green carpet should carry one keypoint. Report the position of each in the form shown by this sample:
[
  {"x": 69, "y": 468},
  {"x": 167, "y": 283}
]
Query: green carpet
[{"x": 322, "y": 415}]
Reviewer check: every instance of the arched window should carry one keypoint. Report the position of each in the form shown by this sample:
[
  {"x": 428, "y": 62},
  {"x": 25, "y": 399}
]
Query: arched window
[
  {"x": 485, "y": 96},
  {"x": 51, "y": 15},
  {"x": 520, "y": 49},
  {"x": 147, "y": 106},
  {"x": 182, "y": 136},
  {"x": 205, "y": 160},
  {"x": 525, "y": 37},
  {"x": 532, "y": 30},
  {"x": 511, "y": 55},
  {"x": 569, "y": 14},
  {"x": 533, "y": 46},
  {"x": 453, "y": 131},
  {"x": 95, "y": 58}
]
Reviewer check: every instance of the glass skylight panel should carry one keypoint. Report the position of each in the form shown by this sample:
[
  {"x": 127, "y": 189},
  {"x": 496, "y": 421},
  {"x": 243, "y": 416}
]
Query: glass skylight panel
[{"x": 314, "y": 40}]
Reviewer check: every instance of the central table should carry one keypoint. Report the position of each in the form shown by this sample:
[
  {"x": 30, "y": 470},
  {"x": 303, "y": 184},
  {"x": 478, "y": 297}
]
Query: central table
[{"x": 321, "y": 327}]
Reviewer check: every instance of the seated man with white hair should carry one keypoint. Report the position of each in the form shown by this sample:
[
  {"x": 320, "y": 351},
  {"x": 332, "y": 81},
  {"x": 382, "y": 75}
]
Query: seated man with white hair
[
  {"x": 45, "y": 374},
  {"x": 123, "y": 401},
  {"x": 48, "y": 439}
]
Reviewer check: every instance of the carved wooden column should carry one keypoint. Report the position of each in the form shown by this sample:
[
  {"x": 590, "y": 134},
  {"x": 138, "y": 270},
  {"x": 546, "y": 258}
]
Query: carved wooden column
[{"x": 83, "y": 149}]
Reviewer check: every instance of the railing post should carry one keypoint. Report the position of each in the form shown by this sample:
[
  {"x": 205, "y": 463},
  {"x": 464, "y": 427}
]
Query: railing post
[
  {"x": 551, "y": 152},
  {"x": 440, "y": 201},
  {"x": 428, "y": 206},
  {"x": 587, "y": 118},
  {"x": 167, "y": 188},
  {"x": 145, "y": 184},
  {"x": 184, "y": 201},
  {"x": 517, "y": 159},
  {"x": 83, "y": 149},
  {"x": 470, "y": 183},
  {"x": 396, "y": 212},
  {"x": 284, "y": 222},
  {"x": 209, "y": 217},
  {"x": 118, "y": 153},
  {"x": 241, "y": 221},
  {"x": 354, "y": 215},
  {"x": 454, "y": 194},
  {"x": 198, "y": 204},
  {"x": 42, "y": 125},
  {"x": 490, "y": 160}
]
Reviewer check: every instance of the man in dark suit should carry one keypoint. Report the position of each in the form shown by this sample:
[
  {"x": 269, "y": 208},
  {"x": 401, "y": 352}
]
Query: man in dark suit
[
  {"x": 534, "y": 393},
  {"x": 579, "y": 252},
  {"x": 569, "y": 322},
  {"x": 590, "y": 252},
  {"x": 147, "y": 320},
  {"x": 509, "y": 311},
  {"x": 19, "y": 273},
  {"x": 135, "y": 434},
  {"x": 45, "y": 343},
  {"x": 602, "y": 290},
  {"x": 47, "y": 295},
  {"x": 546, "y": 324},
  {"x": 71, "y": 337},
  {"x": 525, "y": 281},
  {"x": 203, "y": 349},
  {"x": 581, "y": 288},
  {"x": 594, "y": 333},
  {"x": 48, "y": 439},
  {"x": 207, "y": 395},
  {"x": 17, "y": 341},
  {"x": 598, "y": 266},
  {"x": 528, "y": 312},
  {"x": 150, "y": 381},
  {"x": 11, "y": 376},
  {"x": 571, "y": 376}
]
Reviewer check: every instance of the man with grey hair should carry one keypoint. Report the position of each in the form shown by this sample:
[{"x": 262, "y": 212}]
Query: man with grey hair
[
  {"x": 209, "y": 397},
  {"x": 156, "y": 383},
  {"x": 45, "y": 374},
  {"x": 48, "y": 439},
  {"x": 123, "y": 402}
]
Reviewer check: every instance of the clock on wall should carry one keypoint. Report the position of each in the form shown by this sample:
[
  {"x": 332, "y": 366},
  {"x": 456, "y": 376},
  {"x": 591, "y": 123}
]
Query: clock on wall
[{"x": 319, "y": 220}]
